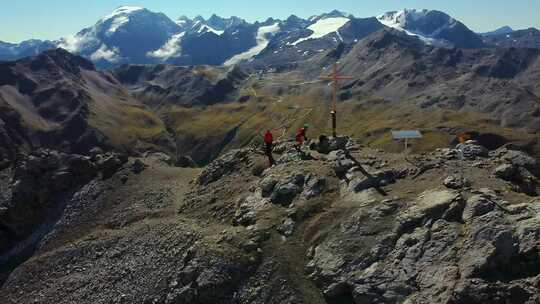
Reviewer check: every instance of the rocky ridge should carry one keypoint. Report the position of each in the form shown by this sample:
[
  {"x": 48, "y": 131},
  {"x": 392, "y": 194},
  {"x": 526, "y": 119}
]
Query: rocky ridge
[{"x": 355, "y": 225}]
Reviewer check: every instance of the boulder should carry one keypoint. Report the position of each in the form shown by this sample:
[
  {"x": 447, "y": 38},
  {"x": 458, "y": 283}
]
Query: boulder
[
  {"x": 287, "y": 227},
  {"x": 138, "y": 166},
  {"x": 222, "y": 166},
  {"x": 361, "y": 179},
  {"x": 455, "y": 182},
  {"x": 185, "y": 161},
  {"x": 520, "y": 159},
  {"x": 432, "y": 205},
  {"x": 293, "y": 155},
  {"x": 314, "y": 187},
  {"x": 478, "y": 205},
  {"x": 326, "y": 145},
  {"x": 248, "y": 208},
  {"x": 109, "y": 163},
  {"x": 340, "y": 163},
  {"x": 267, "y": 185},
  {"x": 283, "y": 146},
  {"x": 286, "y": 189},
  {"x": 159, "y": 157},
  {"x": 506, "y": 172},
  {"x": 472, "y": 150},
  {"x": 94, "y": 152}
]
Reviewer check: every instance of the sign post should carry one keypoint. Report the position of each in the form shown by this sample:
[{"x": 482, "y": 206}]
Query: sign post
[{"x": 406, "y": 135}]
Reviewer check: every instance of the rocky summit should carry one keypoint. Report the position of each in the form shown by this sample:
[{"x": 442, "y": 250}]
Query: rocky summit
[
  {"x": 158, "y": 161},
  {"x": 350, "y": 225}
]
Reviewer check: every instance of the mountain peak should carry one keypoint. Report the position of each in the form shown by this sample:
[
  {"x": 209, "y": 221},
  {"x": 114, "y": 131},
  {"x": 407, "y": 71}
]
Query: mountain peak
[
  {"x": 332, "y": 14},
  {"x": 500, "y": 31},
  {"x": 65, "y": 60},
  {"x": 122, "y": 11},
  {"x": 432, "y": 26}
]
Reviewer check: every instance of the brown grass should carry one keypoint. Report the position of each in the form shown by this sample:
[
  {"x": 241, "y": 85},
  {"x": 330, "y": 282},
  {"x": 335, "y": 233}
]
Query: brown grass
[
  {"x": 125, "y": 125},
  {"x": 370, "y": 121}
]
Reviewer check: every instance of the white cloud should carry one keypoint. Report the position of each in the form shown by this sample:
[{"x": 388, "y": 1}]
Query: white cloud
[
  {"x": 105, "y": 53},
  {"x": 170, "y": 49},
  {"x": 76, "y": 43}
]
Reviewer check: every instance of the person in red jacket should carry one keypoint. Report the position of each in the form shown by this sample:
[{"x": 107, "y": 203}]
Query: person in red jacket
[
  {"x": 268, "y": 145},
  {"x": 301, "y": 136}
]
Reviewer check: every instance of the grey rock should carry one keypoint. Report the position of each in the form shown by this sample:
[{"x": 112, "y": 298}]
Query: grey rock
[
  {"x": 285, "y": 193},
  {"x": 185, "y": 161},
  {"x": 326, "y": 145},
  {"x": 94, "y": 152},
  {"x": 286, "y": 189},
  {"x": 138, "y": 166},
  {"x": 109, "y": 163},
  {"x": 472, "y": 150},
  {"x": 314, "y": 187},
  {"x": 455, "y": 182},
  {"x": 293, "y": 155},
  {"x": 282, "y": 147},
  {"x": 287, "y": 227},
  {"x": 223, "y": 166},
  {"x": 267, "y": 185},
  {"x": 506, "y": 172},
  {"x": 520, "y": 159},
  {"x": 478, "y": 205},
  {"x": 339, "y": 162},
  {"x": 247, "y": 210}
]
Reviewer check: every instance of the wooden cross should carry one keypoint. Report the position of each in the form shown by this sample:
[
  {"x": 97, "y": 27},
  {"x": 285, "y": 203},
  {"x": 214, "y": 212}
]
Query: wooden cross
[{"x": 335, "y": 78}]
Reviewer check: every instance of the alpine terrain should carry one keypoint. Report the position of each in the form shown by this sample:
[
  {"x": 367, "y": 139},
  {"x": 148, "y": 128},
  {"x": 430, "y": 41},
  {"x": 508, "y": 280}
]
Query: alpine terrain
[{"x": 151, "y": 160}]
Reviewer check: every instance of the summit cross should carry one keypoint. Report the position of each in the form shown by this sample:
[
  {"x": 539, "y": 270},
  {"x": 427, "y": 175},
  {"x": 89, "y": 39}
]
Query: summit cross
[{"x": 335, "y": 78}]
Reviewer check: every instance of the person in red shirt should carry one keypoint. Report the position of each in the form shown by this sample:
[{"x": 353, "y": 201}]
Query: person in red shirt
[
  {"x": 268, "y": 145},
  {"x": 301, "y": 136}
]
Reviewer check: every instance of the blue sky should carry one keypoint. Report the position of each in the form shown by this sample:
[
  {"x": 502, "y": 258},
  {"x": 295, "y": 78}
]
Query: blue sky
[{"x": 51, "y": 19}]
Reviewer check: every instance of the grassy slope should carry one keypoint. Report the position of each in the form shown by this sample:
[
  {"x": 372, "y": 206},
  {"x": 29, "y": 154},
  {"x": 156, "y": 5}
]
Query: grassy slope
[
  {"x": 128, "y": 125},
  {"x": 369, "y": 121}
]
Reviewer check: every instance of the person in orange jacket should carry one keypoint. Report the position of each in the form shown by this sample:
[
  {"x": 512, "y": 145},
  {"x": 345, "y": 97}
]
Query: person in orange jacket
[{"x": 268, "y": 146}]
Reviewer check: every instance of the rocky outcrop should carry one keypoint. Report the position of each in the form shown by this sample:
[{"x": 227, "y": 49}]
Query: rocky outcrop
[
  {"x": 39, "y": 185},
  {"x": 348, "y": 227},
  {"x": 223, "y": 166},
  {"x": 441, "y": 248},
  {"x": 472, "y": 149},
  {"x": 519, "y": 169}
]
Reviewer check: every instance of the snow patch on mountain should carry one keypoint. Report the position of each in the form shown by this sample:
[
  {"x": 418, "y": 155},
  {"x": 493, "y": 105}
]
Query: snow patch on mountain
[
  {"x": 119, "y": 17},
  {"x": 399, "y": 20},
  {"x": 105, "y": 53},
  {"x": 89, "y": 39},
  {"x": 171, "y": 49},
  {"x": 208, "y": 29},
  {"x": 262, "y": 42},
  {"x": 324, "y": 27}
]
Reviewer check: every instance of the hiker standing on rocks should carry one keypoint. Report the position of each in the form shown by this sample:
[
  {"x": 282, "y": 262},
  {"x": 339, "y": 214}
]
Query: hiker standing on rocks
[
  {"x": 301, "y": 136},
  {"x": 268, "y": 145}
]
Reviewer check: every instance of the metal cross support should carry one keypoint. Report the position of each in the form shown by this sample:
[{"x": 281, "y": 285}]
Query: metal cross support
[{"x": 335, "y": 78}]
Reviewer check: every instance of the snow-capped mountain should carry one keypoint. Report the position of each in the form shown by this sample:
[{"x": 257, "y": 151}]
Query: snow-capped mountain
[
  {"x": 128, "y": 34},
  {"x": 11, "y": 51},
  {"x": 137, "y": 35},
  {"x": 433, "y": 27}
]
